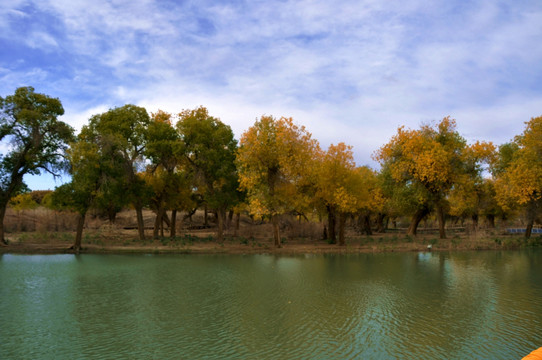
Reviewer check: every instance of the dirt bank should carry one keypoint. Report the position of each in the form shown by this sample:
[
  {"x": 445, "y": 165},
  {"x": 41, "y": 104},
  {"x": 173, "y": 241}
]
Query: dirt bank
[{"x": 123, "y": 242}]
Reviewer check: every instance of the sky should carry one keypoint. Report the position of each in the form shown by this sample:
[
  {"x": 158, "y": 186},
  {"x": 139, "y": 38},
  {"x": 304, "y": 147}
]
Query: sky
[{"x": 349, "y": 71}]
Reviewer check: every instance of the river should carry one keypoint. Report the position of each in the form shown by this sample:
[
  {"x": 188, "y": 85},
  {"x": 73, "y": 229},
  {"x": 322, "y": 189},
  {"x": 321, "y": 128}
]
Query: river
[{"x": 464, "y": 305}]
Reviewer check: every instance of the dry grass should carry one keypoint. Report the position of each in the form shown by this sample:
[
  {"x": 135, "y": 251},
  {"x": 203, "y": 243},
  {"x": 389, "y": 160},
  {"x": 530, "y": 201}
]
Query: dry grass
[
  {"x": 43, "y": 231},
  {"x": 40, "y": 220}
]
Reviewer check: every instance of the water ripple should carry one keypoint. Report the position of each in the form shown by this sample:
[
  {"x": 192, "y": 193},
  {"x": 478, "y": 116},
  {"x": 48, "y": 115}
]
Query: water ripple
[{"x": 387, "y": 306}]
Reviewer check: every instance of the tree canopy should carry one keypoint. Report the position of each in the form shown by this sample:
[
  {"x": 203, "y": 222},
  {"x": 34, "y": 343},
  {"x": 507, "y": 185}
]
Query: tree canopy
[
  {"x": 210, "y": 149},
  {"x": 35, "y": 138},
  {"x": 519, "y": 172},
  {"x": 429, "y": 162},
  {"x": 121, "y": 134},
  {"x": 126, "y": 157},
  {"x": 272, "y": 161}
]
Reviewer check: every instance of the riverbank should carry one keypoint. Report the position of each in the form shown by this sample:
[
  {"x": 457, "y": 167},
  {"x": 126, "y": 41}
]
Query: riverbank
[{"x": 118, "y": 242}]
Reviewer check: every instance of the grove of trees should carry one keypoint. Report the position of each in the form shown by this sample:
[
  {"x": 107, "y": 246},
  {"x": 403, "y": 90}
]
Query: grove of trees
[{"x": 180, "y": 162}]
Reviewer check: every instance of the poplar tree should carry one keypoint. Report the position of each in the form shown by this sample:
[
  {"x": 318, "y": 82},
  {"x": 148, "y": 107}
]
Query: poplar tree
[
  {"x": 35, "y": 141},
  {"x": 272, "y": 160},
  {"x": 210, "y": 148},
  {"x": 428, "y": 163},
  {"x": 519, "y": 173},
  {"x": 121, "y": 134}
]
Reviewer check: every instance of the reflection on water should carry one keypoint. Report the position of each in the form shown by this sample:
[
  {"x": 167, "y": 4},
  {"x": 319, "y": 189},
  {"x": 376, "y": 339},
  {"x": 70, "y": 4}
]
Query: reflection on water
[{"x": 484, "y": 305}]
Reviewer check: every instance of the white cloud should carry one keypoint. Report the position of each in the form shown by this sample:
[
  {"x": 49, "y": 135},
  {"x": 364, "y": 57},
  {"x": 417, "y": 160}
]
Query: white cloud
[
  {"x": 41, "y": 40},
  {"x": 77, "y": 118},
  {"x": 501, "y": 122},
  {"x": 351, "y": 71}
]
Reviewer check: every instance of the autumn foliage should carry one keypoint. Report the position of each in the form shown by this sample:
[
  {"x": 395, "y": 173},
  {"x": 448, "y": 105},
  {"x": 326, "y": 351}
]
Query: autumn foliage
[
  {"x": 432, "y": 161},
  {"x": 273, "y": 161},
  {"x": 181, "y": 162},
  {"x": 519, "y": 179}
]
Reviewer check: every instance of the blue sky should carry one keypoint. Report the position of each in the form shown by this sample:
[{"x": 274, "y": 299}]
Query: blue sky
[{"x": 350, "y": 71}]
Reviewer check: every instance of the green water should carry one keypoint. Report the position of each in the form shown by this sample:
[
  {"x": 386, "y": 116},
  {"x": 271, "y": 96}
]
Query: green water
[{"x": 476, "y": 305}]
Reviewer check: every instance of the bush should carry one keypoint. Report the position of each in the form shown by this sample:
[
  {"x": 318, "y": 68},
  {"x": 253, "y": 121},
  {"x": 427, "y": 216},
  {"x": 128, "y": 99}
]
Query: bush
[
  {"x": 511, "y": 243},
  {"x": 534, "y": 241}
]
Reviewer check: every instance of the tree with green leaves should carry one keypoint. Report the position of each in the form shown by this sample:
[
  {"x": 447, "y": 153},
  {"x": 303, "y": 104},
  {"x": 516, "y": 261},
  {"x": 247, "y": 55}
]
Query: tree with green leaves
[
  {"x": 35, "y": 139},
  {"x": 121, "y": 134},
  {"x": 407, "y": 198},
  {"x": 210, "y": 148},
  {"x": 95, "y": 179},
  {"x": 168, "y": 174},
  {"x": 71, "y": 197}
]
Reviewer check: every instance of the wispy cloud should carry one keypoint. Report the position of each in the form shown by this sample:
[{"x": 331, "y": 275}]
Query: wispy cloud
[
  {"x": 41, "y": 40},
  {"x": 349, "y": 70}
]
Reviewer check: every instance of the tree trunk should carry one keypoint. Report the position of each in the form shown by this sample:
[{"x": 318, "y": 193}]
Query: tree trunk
[
  {"x": 441, "y": 222},
  {"x": 276, "y": 231},
  {"x": 230, "y": 218},
  {"x": 220, "y": 214},
  {"x": 380, "y": 223},
  {"x": 367, "y": 224},
  {"x": 166, "y": 220},
  {"x": 156, "y": 226},
  {"x": 140, "y": 222},
  {"x": 531, "y": 215},
  {"x": 342, "y": 221},
  {"x": 190, "y": 213},
  {"x": 111, "y": 214},
  {"x": 3, "y": 241},
  {"x": 475, "y": 221},
  {"x": 157, "y": 222},
  {"x": 490, "y": 221},
  {"x": 173, "y": 225},
  {"x": 529, "y": 229},
  {"x": 331, "y": 224},
  {"x": 237, "y": 221},
  {"x": 162, "y": 220},
  {"x": 79, "y": 233},
  {"x": 205, "y": 223},
  {"x": 416, "y": 218}
]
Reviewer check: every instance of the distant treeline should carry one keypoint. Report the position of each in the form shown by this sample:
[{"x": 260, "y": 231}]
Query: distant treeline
[{"x": 181, "y": 162}]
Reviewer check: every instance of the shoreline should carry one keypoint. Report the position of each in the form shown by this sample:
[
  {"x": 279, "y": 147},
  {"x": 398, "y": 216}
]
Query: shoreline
[
  {"x": 209, "y": 249},
  {"x": 60, "y": 243}
]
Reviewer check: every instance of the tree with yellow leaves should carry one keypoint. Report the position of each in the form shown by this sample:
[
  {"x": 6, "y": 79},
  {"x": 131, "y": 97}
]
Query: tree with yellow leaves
[
  {"x": 472, "y": 195},
  {"x": 344, "y": 188},
  {"x": 272, "y": 161},
  {"x": 427, "y": 163},
  {"x": 334, "y": 170},
  {"x": 370, "y": 198},
  {"x": 519, "y": 172},
  {"x": 169, "y": 190}
]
